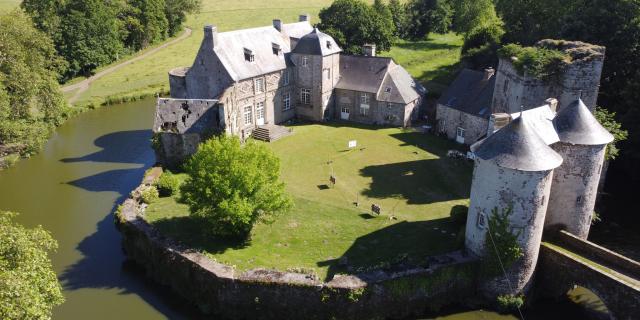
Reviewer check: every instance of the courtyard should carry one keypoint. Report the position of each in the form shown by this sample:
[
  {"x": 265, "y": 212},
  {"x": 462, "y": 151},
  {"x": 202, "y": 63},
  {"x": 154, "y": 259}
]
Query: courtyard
[{"x": 331, "y": 228}]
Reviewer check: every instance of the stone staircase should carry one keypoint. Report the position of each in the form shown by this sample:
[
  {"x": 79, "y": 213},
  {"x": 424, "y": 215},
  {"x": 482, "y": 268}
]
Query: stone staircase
[{"x": 270, "y": 132}]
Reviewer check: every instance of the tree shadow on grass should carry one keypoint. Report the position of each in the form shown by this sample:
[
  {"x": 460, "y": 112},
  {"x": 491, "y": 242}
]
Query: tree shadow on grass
[
  {"x": 401, "y": 244},
  {"x": 425, "y": 45}
]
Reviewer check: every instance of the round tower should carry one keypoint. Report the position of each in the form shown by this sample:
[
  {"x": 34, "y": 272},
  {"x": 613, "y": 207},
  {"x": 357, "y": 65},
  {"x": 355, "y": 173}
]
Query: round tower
[
  {"x": 575, "y": 183},
  {"x": 513, "y": 169}
]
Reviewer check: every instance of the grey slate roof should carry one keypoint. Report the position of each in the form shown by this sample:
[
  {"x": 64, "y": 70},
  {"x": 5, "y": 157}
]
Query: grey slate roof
[
  {"x": 297, "y": 30},
  {"x": 517, "y": 146},
  {"x": 376, "y": 75},
  {"x": 575, "y": 124},
  {"x": 231, "y": 46},
  {"x": 541, "y": 120},
  {"x": 469, "y": 93},
  {"x": 317, "y": 43}
]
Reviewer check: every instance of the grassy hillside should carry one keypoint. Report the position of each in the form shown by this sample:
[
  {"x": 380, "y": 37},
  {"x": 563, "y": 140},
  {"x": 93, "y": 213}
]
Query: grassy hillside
[{"x": 7, "y": 5}]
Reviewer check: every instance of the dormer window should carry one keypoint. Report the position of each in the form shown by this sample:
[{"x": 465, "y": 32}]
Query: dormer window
[
  {"x": 276, "y": 48},
  {"x": 387, "y": 89},
  {"x": 248, "y": 55},
  {"x": 328, "y": 44}
]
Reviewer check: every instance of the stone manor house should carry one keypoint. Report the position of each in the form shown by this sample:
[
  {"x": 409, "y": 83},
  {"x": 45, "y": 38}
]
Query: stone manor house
[{"x": 246, "y": 79}]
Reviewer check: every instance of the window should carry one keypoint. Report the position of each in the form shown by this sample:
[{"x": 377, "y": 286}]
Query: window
[
  {"x": 259, "y": 85},
  {"x": 480, "y": 221},
  {"x": 305, "y": 96},
  {"x": 460, "y": 132},
  {"x": 248, "y": 116},
  {"x": 285, "y": 77},
  {"x": 327, "y": 73},
  {"x": 389, "y": 105},
  {"x": 248, "y": 55},
  {"x": 387, "y": 89},
  {"x": 276, "y": 48},
  {"x": 260, "y": 111},
  {"x": 542, "y": 200},
  {"x": 364, "y": 98},
  {"x": 286, "y": 101},
  {"x": 345, "y": 109},
  {"x": 579, "y": 199},
  {"x": 364, "y": 109},
  {"x": 305, "y": 61},
  {"x": 328, "y": 44}
]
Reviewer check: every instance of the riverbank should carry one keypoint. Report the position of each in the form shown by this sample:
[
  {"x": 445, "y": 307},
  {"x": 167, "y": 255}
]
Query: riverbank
[{"x": 261, "y": 293}]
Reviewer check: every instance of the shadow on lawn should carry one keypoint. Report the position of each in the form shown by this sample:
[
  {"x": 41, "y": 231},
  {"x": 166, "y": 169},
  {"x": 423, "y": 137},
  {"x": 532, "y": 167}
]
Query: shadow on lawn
[{"x": 403, "y": 243}]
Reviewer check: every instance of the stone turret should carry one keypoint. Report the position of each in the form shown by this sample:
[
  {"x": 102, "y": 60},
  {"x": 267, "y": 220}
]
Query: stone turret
[
  {"x": 513, "y": 169},
  {"x": 579, "y": 76},
  {"x": 575, "y": 183}
]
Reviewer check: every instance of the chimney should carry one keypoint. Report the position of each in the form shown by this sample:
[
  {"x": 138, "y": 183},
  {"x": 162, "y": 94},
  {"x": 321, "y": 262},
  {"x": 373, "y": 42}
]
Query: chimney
[
  {"x": 369, "y": 50},
  {"x": 277, "y": 23},
  {"x": 488, "y": 73},
  {"x": 497, "y": 121},
  {"x": 211, "y": 35},
  {"x": 304, "y": 17},
  {"x": 553, "y": 104}
]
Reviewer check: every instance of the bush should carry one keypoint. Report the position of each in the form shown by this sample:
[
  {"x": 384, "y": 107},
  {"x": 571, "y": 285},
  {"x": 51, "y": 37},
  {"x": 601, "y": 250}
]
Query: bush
[
  {"x": 149, "y": 195},
  {"x": 509, "y": 302},
  {"x": 459, "y": 214},
  {"x": 232, "y": 187},
  {"x": 541, "y": 63},
  {"x": 168, "y": 184}
]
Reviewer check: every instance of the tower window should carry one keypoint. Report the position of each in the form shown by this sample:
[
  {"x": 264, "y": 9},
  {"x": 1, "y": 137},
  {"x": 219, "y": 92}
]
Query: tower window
[
  {"x": 328, "y": 44},
  {"x": 248, "y": 55},
  {"x": 480, "y": 220},
  {"x": 286, "y": 101},
  {"x": 305, "y": 61},
  {"x": 285, "y": 77},
  {"x": 305, "y": 96},
  {"x": 579, "y": 199}
]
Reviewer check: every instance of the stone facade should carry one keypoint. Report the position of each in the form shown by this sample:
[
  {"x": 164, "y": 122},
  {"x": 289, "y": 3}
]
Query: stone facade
[
  {"x": 575, "y": 187},
  {"x": 364, "y": 108},
  {"x": 449, "y": 120},
  {"x": 527, "y": 194}
]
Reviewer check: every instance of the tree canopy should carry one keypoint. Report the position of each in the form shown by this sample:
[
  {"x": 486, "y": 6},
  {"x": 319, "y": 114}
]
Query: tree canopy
[
  {"x": 353, "y": 23},
  {"x": 29, "y": 288},
  {"x": 429, "y": 16},
  {"x": 231, "y": 186},
  {"x": 30, "y": 99}
]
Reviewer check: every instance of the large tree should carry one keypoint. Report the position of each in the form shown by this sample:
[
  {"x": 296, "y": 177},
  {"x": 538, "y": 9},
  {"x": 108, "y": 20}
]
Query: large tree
[
  {"x": 353, "y": 23},
  {"x": 29, "y": 288},
  {"x": 232, "y": 186},
  {"x": 176, "y": 12},
  {"x": 30, "y": 99},
  {"x": 429, "y": 16},
  {"x": 400, "y": 17}
]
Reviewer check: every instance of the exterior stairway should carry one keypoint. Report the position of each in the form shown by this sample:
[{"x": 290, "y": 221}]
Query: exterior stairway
[{"x": 270, "y": 132}]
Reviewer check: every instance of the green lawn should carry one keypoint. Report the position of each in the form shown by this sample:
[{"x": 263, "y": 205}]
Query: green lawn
[
  {"x": 8, "y": 5},
  {"x": 402, "y": 171}
]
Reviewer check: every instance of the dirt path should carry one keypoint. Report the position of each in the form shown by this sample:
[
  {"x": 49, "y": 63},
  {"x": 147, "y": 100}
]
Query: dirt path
[{"x": 83, "y": 85}]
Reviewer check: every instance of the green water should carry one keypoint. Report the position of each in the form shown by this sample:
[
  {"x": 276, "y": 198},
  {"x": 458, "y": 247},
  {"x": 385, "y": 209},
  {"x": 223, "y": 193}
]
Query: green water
[{"x": 71, "y": 188}]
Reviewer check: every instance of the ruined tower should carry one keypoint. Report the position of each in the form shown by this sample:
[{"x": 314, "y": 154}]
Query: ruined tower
[
  {"x": 317, "y": 63},
  {"x": 513, "y": 169},
  {"x": 575, "y": 183},
  {"x": 579, "y": 76}
]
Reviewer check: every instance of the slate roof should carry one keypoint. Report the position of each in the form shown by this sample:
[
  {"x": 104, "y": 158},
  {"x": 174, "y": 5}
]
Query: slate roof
[
  {"x": 317, "y": 43},
  {"x": 297, "y": 30},
  {"x": 378, "y": 75},
  {"x": 469, "y": 93},
  {"x": 541, "y": 121},
  {"x": 231, "y": 46},
  {"x": 575, "y": 124},
  {"x": 517, "y": 146}
]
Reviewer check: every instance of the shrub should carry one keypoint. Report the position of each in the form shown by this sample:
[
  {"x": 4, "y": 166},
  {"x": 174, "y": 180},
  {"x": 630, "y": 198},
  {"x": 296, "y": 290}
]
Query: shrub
[
  {"x": 509, "y": 302},
  {"x": 149, "y": 195},
  {"x": 459, "y": 214},
  {"x": 501, "y": 243},
  {"x": 541, "y": 63},
  {"x": 168, "y": 184},
  {"x": 232, "y": 187}
]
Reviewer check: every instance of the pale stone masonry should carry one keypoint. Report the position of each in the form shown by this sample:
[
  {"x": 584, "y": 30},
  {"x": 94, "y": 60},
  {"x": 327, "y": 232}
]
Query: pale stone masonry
[{"x": 270, "y": 75}]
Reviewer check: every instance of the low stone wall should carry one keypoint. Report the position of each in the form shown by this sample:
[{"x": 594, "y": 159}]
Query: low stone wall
[{"x": 267, "y": 294}]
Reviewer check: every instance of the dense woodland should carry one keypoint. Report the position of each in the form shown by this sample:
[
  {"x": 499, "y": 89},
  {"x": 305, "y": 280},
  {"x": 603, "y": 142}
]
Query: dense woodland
[{"x": 488, "y": 25}]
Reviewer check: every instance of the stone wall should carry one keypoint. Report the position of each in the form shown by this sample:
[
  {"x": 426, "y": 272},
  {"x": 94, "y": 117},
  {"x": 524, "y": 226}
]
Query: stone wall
[
  {"x": 380, "y": 113},
  {"x": 449, "y": 119},
  {"x": 266, "y": 294}
]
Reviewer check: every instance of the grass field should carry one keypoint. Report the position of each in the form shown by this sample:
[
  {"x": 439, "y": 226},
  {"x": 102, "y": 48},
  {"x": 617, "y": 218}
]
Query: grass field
[
  {"x": 404, "y": 172},
  {"x": 8, "y": 5}
]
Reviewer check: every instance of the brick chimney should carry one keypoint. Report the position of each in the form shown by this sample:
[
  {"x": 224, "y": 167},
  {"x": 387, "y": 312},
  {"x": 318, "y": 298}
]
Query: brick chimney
[
  {"x": 369, "y": 50},
  {"x": 304, "y": 17},
  {"x": 488, "y": 73},
  {"x": 497, "y": 121},
  {"x": 211, "y": 35},
  {"x": 277, "y": 23}
]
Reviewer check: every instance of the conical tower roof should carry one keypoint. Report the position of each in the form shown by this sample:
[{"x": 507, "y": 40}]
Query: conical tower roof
[
  {"x": 517, "y": 146},
  {"x": 575, "y": 124},
  {"x": 317, "y": 43}
]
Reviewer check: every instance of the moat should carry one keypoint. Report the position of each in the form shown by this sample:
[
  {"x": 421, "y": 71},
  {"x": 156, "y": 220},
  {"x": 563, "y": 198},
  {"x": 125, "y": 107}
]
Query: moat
[{"x": 71, "y": 188}]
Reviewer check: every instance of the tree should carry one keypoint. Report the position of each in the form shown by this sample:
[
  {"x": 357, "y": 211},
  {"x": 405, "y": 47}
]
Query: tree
[
  {"x": 400, "y": 18},
  {"x": 45, "y": 14},
  {"x": 429, "y": 16},
  {"x": 30, "y": 99},
  {"x": 176, "y": 12},
  {"x": 145, "y": 23},
  {"x": 89, "y": 35},
  {"x": 608, "y": 121},
  {"x": 481, "y": 45},
  {"x": 29, "y": 288},
  {"x": 353, "y": 23},
  {"x": 231, "y": 186},
  {"x": 473, "y": 14}
]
